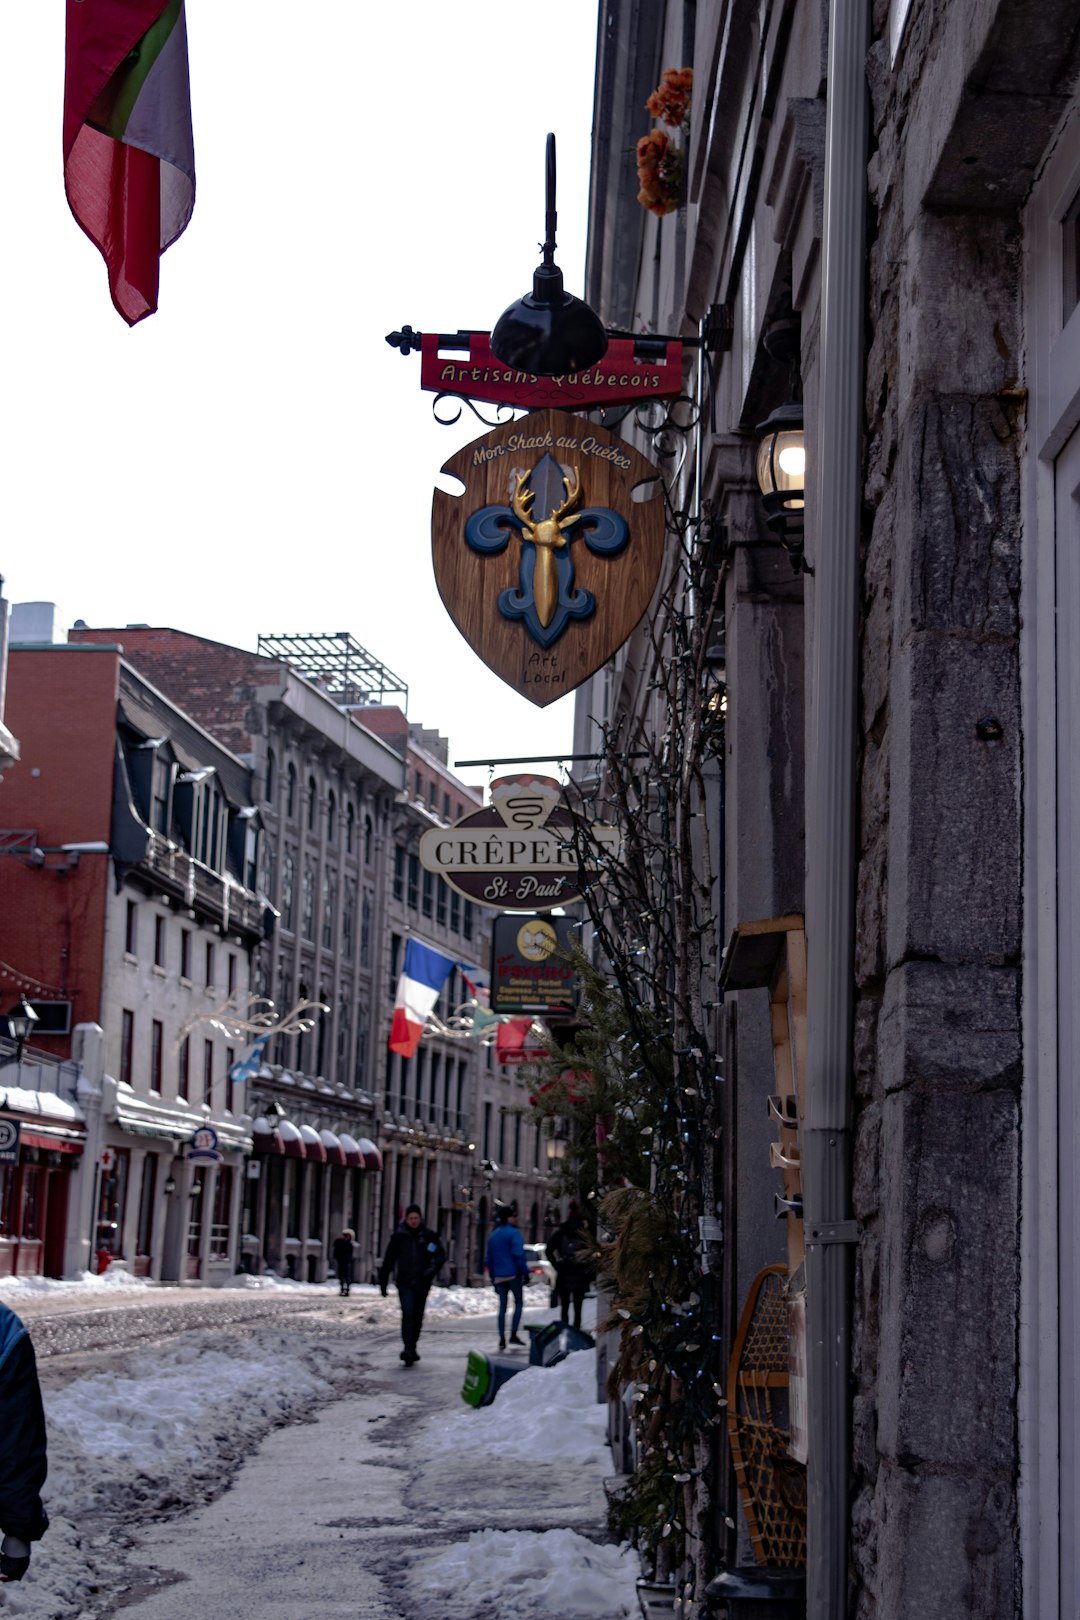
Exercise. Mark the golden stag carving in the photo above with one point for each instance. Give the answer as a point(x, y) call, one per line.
point(548, 537)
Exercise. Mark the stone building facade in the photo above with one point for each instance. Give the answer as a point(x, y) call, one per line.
point(880, 208)
point(324, 786)
point(134, 914)
point(453, 1117)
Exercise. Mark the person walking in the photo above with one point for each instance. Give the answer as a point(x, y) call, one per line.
point(344, 1250)
point(414, 1257)
point(504, 1260)
point(568, 1251)
point(23, 1464)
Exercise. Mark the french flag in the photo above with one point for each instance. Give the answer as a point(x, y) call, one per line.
point(423, 976)
point(478, 981)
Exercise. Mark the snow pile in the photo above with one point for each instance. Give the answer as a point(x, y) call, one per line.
point(156, 1439)
point(14, 1289)
point(544, 1414)
point(170, 1409)
point(521, 1575)
point(483, 1301)
point(269, 1281)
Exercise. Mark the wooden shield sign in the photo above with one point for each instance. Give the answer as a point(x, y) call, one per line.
point(546, 563)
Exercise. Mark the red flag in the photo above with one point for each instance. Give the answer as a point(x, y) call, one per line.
point(512, 1042)
point(129, 163)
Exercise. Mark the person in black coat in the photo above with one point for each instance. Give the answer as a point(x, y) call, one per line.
point(568, 1251)
point(414, 1257)
point(22, 1448)
point(343, 1251)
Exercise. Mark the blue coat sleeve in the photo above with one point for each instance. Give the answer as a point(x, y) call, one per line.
point(22, 1436)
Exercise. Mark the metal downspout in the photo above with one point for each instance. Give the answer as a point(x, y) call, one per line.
point(826, 1149)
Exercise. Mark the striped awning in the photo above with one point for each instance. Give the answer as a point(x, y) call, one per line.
point(40, 1136)
point(314, 1147)
point(335, 1151)
point(292, 1143)
point(281, 1137)
point(371, 1155)
point(353, 1156)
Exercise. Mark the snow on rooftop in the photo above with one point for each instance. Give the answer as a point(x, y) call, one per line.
point(21, 1101)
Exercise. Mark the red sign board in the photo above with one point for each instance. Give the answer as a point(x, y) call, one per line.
point(625, 376)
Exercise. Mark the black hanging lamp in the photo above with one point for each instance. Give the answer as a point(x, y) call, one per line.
point(549, 332)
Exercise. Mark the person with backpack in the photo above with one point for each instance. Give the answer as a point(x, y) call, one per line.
point(505, 1264)
point(568, 1251)
point(414, 1256)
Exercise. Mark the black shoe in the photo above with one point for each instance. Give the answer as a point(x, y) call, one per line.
point(409, 1356)
point(403, 1355)
point(502, 1344)
point(515, 1340)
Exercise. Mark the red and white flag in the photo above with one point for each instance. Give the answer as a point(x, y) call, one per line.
point(129, 160)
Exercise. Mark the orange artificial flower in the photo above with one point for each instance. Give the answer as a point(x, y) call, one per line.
point(659, 168)
point(670, 101)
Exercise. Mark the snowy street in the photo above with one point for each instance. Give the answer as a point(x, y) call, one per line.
point(263, 1449)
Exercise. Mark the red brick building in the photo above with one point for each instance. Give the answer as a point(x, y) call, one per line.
point(127, 919)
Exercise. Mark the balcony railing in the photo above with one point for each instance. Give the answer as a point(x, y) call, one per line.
point(198, 887)
point(38, 1071)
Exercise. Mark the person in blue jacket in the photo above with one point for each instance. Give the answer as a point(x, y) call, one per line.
point(22, 1448)
point(505, 1265)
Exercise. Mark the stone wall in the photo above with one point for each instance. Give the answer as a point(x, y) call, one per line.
point(938, 951)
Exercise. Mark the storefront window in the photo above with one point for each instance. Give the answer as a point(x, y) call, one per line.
point(31, 1202)
point(294, 1185)
point(146, 1204)
point(314, 1224)
point(252, 1188)
point(195, 1210)
point(112, 1201)
point(7, 1181)
point(219, 1228)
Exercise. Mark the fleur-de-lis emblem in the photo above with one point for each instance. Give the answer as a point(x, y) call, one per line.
point(545, 511)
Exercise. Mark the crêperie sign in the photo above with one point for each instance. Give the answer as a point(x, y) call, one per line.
point(518, 853)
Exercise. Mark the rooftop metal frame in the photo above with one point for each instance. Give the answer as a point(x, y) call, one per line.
point(336, 662)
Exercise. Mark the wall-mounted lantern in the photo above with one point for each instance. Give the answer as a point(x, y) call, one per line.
point(781, 471)
point(781, 453)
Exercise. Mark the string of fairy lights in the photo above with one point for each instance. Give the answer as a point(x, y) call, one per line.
point(646, 1131)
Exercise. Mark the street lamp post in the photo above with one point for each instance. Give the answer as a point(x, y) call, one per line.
point(20, 1021)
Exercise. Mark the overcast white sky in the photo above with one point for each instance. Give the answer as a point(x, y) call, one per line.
point(254, 457)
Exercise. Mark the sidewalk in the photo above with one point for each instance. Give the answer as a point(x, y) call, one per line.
point(341, 1517)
